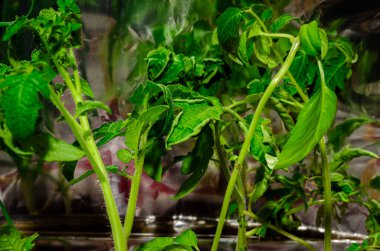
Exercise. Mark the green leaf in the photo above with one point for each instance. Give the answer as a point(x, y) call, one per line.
point(280, 22)
point(90, 105)
point(286, 118)
point(310, 39)
point(157, 244)
point(7, 137)
point(52, 149)
point(172, 71)
point(12, 240)
point(21, 103)
point(144, 93)
point(324, 42)
point(262, 51)
point(154, 150)
point(336, 70)
point(124, 155)
point(340, 132)
point(336, 177)
point(347, 154)
point(157, 62)
point(228, 24)
point(108, 131)
point(86, 88)
point(14, 27)
point(68, 170)
point(191, 120)
point(232, 209)
point(262, 183)
point(267, 14)
point(302, 69)
point(197, 162)
point(188, 238)
point(314, 120)
point(177, 247)
point(68, 4)
point(375, 183)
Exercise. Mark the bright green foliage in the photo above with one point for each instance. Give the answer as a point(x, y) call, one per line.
point(310, 39)
point(280, 22)
point(157, 61)
point(21, 102)
point(196, 162)
point(186, 241)
point(303, 70)
point(340, 132)
point(313, 122)
point(189, 122)
point(12, 240)
point(90, 105)
point(124, 155)
point(228, 24)
point(15, 27)
point(262, 183)
point(108, 131)
point(52, 149)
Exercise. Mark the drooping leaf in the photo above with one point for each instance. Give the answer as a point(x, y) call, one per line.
point(280, 22)
point(197, 162)
point(144, 93)
point(336, 70)
point(339, 133)
point(14, 27)
point(262, 182)
point(302, 69)
point(188, 238)
point(191, 120)
point(172, 71)
point(12, 240)
point(90, 105)
point(347, 154)
point(7, 137)
point(313, 122)
point(310, 39)
point(52, 149)
point(262, 52)
point(228, 24)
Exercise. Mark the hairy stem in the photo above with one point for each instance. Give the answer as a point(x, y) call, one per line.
point(244, 150)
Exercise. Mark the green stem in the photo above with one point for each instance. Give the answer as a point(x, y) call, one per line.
point(280, 231)
point(244, 150)
point(5, 213)
point(135, 187)
point(326, 179)
point(89, 146)
point(234, 114)
point(5, 24)
point(277, 35)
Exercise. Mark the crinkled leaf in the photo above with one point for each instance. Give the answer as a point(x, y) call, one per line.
point(188, 238)
point(14, 27)
point(12, 240)
point(52, 149)
point(68, 4)
point(157, 61)
point(191, 120)
point(340, 132)
point(172, 71)
point(280, 22)
point(286, 118)
point(314, 120)
point(336, 70)
point(21, 104)
point(302, 69)
point(197, 162)
point(336, 177)
point(347, 154)
point(108, 131)
point(228, 24)
point(144, 93)
point(90, 105)
point(310, 39)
